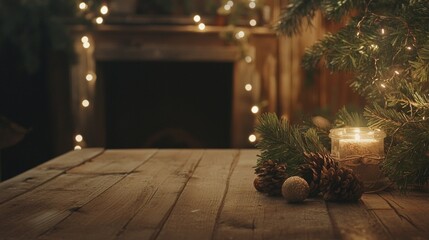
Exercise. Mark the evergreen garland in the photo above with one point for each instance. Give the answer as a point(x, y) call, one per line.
point(385, 43)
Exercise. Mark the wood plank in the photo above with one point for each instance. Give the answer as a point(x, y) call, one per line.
point(409, 213)
point(247, 214)
point(398, 226)
point(30, 215)
point(45, 172)
point(136, 207)
point(40, 210)
point(115, 162)
point(353, 221)
point(373, 201)
point(196, 210)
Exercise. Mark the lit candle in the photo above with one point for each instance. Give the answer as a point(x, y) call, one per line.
point(348, 142)
point(361, 149)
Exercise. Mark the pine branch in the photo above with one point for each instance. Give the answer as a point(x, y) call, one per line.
point(335, 9)
point(300, 12)
point(293, 16)
point(285, 143)
point(321, 127)
point(407, 163)
point(349, 119)
point(407, 159)
point(387, 119)
point(386, 47)
point(420, 67)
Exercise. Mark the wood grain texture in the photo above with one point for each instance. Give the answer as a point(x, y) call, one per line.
point(247, 214)
point(188, 194)
point(115, 162)
point(44, 172)
point(42, 209)
point(194, 215)
point(30, 215)
point(352, 221)
point(408, 217)
point(135, 207)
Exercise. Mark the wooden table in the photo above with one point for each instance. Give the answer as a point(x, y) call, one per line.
point(186, 194)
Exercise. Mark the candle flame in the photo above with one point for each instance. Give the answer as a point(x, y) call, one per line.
point(357, 136)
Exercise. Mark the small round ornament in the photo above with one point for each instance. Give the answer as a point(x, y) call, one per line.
point(295, 189)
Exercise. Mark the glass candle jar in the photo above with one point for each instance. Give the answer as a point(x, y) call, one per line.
point(362, 150)
point(356, 141)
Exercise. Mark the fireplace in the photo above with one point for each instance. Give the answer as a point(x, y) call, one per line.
point(170, 86)
point(167, 104)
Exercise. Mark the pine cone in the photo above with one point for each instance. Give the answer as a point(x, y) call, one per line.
point(312, 168)
point(340, 184)
point(271, 176)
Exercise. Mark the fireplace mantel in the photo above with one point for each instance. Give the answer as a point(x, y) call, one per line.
point(175, 43)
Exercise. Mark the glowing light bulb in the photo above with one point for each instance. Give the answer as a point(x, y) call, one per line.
point(255, 109)
point(201, 26)
point(252, 22)
point(78, 138)
point(374, 46)
point(85, 103)
point(227, 7)
point(248, 87)
point(239, 35)
point(252, 138)
point(83, 6)
point(77, 147)
point(383, 31)
point(252, 5)
point(382, 85)
point(248, 59)
point(397, 72)
point(230, 3)
point(197, 18)
point(104, 10)
point(84, 39)
point(99, 20)
point(86, 45)
point(409, 48)
point(89, 77)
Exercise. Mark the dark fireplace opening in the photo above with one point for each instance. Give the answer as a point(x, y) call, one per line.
point(163, 104)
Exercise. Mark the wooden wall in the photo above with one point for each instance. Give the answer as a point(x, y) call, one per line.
point(310, 92)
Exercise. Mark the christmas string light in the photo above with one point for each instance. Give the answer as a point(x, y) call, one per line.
point(85, 103)
point(248, 87)
point(86, 87)
point(104, 10)
point(197, 18)
point(90, 76)
point(240, 38)
point(252, 5)
point(252, 138)
point(201, 26)
point(78, 138)
point(83, 6)
point(99, 20)
point(239, 35)
point(254, 109)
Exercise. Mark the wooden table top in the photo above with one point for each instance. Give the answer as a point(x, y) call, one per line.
point(186, 194)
